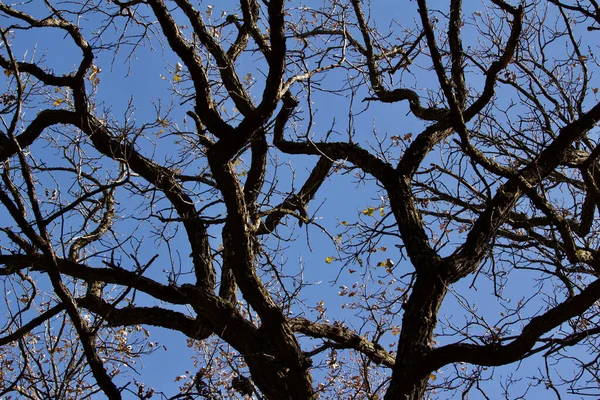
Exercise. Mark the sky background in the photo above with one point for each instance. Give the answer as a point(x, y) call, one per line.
point(145, 77)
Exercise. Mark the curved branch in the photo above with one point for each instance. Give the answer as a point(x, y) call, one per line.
point(345, 338)
point(494, 355)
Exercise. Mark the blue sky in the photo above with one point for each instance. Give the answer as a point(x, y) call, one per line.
point(145, 77)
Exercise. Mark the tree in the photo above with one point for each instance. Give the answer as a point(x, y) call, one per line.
point(473, 243)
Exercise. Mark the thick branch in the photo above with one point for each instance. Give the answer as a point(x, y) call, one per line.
point(345, 338)
point(493, 355)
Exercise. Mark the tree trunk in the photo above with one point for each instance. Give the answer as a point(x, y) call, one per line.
point(275, 380)
point(409, 378)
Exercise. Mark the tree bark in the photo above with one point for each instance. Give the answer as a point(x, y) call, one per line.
point(410, 377)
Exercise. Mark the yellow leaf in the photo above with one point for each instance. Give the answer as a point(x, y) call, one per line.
point(382, 211)
point(432, 377)
point(388, 263)
point(338, 239)
point(7, 72)
point(176, 78)
point(345, 223)
point(369, 211)
point(58, 102)
point(329, 259)
point(94, 73)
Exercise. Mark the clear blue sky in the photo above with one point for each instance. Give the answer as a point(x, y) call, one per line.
point(146, 77)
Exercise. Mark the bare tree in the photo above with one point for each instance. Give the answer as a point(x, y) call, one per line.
point(473, 243)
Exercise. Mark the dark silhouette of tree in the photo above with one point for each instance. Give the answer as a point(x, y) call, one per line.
point(478, 249)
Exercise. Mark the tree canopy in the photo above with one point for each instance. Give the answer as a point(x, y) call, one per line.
point(332, 199)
